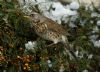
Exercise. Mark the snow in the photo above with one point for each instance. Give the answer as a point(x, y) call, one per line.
point(72, 25)
point(44, 6)
point(85, 70)
point(98, 22)
point(98, 15)
point(74, 5)
point(59, 9)
point(61, 12)
point(97, 43)
point(93, 37)
point(79, 54)
point(76, 53)
point(30, 45)
point(94, 14)
point(49, 63)
point(40, 1)
point(26, 9)
point(95, 29)
point(51, 9)
point(62, 69)
point(94, 40)
point(90, 56)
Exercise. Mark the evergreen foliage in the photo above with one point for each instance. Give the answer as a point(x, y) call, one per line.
point(15, 31)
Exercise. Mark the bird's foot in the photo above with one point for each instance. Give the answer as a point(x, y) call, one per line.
point(50, 45)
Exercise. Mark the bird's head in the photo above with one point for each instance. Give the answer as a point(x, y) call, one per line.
point(34, 17)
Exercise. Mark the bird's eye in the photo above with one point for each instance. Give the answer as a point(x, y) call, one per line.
point(32, 15)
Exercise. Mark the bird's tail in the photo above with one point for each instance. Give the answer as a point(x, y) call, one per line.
point(69, 51)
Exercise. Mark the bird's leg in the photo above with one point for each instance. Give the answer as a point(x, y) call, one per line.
point(55, 42)
point(52, 44)
point(70, 52)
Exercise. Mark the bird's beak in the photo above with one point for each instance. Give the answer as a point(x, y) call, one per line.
point(28, 17)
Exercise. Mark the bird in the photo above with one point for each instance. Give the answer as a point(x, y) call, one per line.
point(50, 30)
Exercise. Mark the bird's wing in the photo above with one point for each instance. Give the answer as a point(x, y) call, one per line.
point(55, 27)
point(52, 25)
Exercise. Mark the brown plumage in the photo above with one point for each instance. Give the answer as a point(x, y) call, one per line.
point(49, 30)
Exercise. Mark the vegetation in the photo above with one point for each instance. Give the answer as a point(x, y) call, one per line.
point(15, 32)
